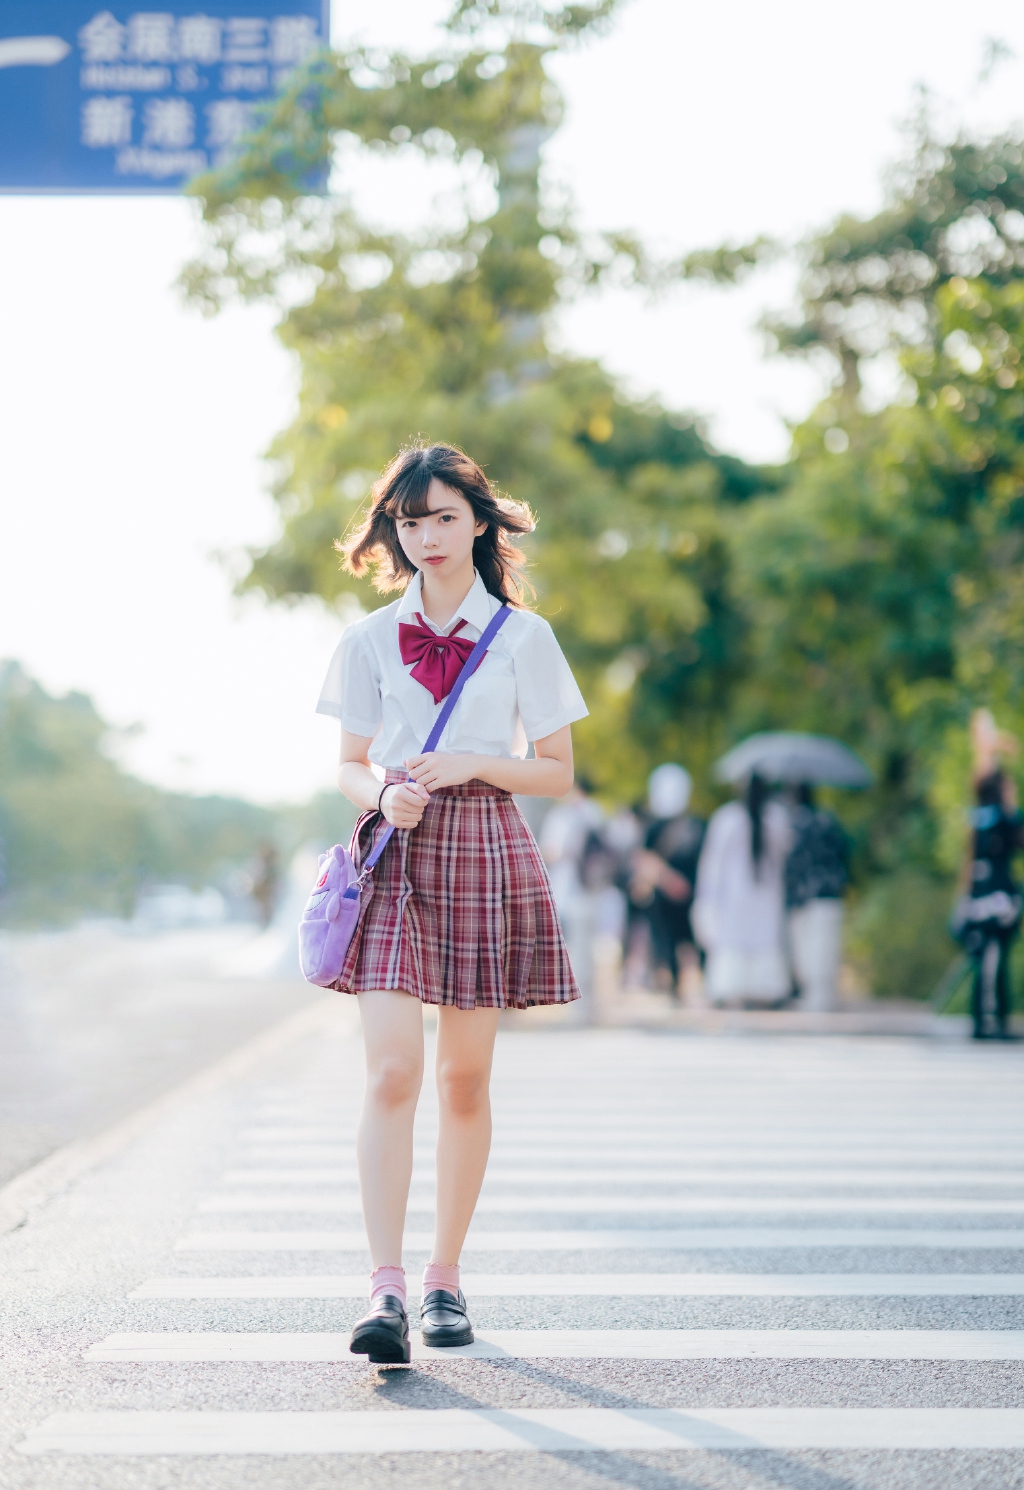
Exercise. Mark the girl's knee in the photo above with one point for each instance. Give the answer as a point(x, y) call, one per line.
point(394, 1082)
point(462, 1090)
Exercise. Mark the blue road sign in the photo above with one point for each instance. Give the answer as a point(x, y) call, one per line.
point(126, 100)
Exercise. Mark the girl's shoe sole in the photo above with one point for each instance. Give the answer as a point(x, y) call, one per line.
point(448, 1342)
point(382, 1348)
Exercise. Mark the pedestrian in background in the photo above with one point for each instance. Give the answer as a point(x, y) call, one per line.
point(817, 871)
point(627, 831)
point(572, 842)
point(459, 912)
point(665, 873)
point(266, 883)
point(739, 907)
point(988, 915)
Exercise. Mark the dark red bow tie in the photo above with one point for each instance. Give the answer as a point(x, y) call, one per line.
point(438, 660)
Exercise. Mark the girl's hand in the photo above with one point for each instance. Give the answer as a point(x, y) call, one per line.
point(402, 803)
point(436, 770)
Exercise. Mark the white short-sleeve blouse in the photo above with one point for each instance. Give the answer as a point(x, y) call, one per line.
point(522, 691)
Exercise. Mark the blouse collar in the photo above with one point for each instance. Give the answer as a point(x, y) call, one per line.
point(475, 608)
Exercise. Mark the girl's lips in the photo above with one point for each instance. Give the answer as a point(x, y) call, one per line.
point(439, 560)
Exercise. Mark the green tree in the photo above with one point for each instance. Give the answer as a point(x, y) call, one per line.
point(78, 834)
point(868, 589)
point(444, 335)
point(868, 286)
point(884, 587)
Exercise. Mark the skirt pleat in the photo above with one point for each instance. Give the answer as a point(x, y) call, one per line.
point(459, 910)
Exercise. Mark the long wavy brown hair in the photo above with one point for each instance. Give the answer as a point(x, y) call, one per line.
point(402, 492)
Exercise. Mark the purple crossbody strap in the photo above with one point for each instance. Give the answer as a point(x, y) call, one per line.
point(469, 667)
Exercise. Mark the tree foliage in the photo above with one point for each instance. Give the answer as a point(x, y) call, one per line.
point(78, 834)
point(882, 588)
point(887, 579)
point(870, 588)
point(444, 335)
point(869, 286)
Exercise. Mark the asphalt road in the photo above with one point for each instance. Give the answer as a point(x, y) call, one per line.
point(96, 1020)
point(178, 1316)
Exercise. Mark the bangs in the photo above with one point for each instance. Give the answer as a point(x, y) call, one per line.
point(408, 494)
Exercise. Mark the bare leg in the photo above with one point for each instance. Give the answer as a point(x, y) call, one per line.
point(393, 1037)
point(465, 1045)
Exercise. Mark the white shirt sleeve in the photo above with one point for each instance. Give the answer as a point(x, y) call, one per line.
point(351, 690)
point(546, 690)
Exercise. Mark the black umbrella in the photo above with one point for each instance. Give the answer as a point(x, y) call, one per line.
point(790, 758)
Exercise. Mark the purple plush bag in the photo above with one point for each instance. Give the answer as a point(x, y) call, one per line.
point(332, 910)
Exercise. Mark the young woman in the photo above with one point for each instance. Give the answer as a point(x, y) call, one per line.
point(459, 911)
point(739, 908)
point(987, 918)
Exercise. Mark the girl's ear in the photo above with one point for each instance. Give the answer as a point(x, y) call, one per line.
point(479, 529)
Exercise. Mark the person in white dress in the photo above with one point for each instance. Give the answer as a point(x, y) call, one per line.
point(571, 828)
point(739, 915)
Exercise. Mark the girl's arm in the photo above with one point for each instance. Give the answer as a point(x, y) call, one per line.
point(550, 774)
point(402, 804)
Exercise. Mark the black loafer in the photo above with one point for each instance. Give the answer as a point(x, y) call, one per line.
point(383, 1334)
point(443, 1319)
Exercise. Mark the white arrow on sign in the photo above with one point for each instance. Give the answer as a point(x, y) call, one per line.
point(32, 51)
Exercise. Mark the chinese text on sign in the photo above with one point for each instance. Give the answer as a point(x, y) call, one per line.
point(120, 99)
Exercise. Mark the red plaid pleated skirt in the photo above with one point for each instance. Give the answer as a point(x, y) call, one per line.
point(459, 909)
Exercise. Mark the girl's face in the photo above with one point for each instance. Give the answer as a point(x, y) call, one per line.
point(441, 541)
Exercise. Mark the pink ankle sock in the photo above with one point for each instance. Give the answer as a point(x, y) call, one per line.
point(440, 1275)
point(387, 1280)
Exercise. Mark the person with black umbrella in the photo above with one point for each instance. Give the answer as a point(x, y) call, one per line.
point(811, 855)
point(738, 911)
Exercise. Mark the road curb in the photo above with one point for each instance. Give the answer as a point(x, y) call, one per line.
point(23, 1195)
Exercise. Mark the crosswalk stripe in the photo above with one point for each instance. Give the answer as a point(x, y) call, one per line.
point(616, 1152)
point(742, 1090)
point(692, 1156)
point(647, 1204)
point(618, 1345)
point(719, 1116)
point(524, 1430)
point(610, 1285)
point(810, 1126)
point(639, 1174)
point(638, 1239)
point(714, 1127)
point(715, 1141)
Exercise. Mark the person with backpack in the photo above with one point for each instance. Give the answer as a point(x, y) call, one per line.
point(988, 915)
point(665, 873)
point(817, 872)
point(458, 910)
